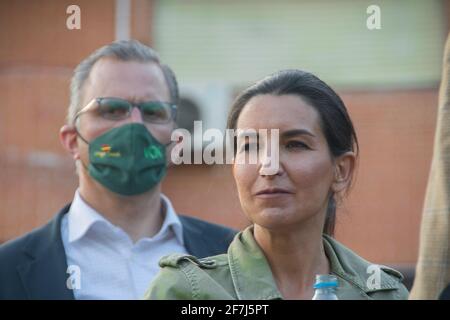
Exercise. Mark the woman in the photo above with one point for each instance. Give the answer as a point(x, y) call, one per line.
point(292, 209)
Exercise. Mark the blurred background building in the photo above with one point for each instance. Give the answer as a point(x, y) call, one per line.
point(388, 79)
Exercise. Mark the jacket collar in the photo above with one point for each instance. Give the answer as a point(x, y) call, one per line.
point(359, 272)
point(44, 272)
point(195, 240)
point(249, 265)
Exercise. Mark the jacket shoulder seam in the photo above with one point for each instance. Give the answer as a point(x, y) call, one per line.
point(186, 268)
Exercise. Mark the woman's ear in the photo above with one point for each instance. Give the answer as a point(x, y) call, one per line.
point(344, 166)
point(68, 137)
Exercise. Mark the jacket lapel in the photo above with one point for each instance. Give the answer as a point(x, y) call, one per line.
point(250, 270)
point(44, 272)
point(194, 241)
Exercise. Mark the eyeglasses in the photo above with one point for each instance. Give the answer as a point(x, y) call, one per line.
point(119, 109)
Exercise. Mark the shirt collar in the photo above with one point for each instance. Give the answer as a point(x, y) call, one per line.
point(82, 217)
point(171, 220)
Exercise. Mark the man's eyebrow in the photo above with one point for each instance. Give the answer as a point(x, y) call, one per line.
point(296, 132)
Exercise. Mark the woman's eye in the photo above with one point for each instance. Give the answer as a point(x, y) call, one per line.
point(296, 145)
point(250, 147)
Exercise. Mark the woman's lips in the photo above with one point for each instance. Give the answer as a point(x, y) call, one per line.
point(272, 193)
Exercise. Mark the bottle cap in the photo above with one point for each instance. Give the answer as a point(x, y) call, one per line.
point(325, 281)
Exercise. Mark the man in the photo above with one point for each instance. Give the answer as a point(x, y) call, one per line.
point(107, 243)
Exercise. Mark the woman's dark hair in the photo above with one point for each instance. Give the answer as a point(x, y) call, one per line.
point(334, 119)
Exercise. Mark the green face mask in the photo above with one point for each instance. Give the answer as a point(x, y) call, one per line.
point(127, 160)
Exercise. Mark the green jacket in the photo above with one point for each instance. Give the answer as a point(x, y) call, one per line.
point(244, 273)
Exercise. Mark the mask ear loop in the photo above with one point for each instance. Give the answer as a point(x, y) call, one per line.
point(171, 141)
point(175, 127)
point(81, 137)
point(79, 113)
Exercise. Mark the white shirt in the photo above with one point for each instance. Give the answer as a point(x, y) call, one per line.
point(102, 260)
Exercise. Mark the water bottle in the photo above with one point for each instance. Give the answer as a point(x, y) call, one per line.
point(325, 287)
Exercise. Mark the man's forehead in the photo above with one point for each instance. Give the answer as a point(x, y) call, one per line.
point(115, 67)
point(114, 77)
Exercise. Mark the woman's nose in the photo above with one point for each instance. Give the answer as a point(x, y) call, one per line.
point(270, 166)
